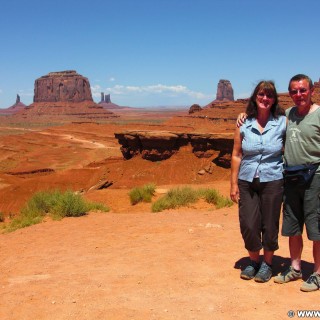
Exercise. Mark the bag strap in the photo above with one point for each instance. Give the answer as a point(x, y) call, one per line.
point(301, 167)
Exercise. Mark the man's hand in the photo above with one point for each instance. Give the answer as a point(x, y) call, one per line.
point(241, 119)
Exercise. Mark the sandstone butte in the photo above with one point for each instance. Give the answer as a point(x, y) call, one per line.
point(64, 93)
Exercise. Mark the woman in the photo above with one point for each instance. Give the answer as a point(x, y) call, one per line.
point(257, 179)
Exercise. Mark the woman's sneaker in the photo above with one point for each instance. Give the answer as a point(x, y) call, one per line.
point(250, 271)
point(264, 274)
point(312, 284)
point(289, 275)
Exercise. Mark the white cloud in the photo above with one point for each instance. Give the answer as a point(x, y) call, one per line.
point(159, 93)
point(156, 89)
point(96, 90)
point(112, 79)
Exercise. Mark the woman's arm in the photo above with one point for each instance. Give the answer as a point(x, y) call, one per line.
point(235, 166)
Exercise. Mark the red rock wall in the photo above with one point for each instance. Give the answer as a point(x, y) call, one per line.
point(161, 145)
point(65, 86)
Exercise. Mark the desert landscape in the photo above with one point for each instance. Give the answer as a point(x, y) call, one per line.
point(130, 263)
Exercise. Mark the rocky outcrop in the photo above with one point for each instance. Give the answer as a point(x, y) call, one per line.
point(316, 95)
point(64, 86)
point(161, 145)
point(194, 108)
point(105, 98)
point(18, 106)
point(106, 103)
point(224, 91)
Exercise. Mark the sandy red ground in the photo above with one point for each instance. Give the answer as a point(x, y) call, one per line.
point(128, 263)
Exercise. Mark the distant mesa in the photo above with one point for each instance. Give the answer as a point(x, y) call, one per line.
point(63, 86)
point(64, 93)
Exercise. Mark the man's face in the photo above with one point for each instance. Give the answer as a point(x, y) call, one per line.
point(301, 93)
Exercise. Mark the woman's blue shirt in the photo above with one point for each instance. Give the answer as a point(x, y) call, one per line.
point(262, 152)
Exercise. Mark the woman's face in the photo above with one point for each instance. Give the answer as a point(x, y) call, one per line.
point(264, 100)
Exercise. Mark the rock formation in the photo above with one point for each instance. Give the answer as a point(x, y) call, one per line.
point(18, 105)
point(316, 95)
point(64, 94)
point(194, 108)
point(106, 103)
point(64, 86)
point(161, 145)
point(105, 98)
point(14, 108)
point(224, 91)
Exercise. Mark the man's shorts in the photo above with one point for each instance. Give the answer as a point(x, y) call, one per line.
point(302, 207)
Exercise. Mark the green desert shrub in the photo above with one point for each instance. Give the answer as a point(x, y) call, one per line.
point(179, 197)
point(26, 218)
point(213, 196)
point(56, 204)
point(143, 193)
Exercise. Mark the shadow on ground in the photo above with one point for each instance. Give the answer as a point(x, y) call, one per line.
point(279, 265)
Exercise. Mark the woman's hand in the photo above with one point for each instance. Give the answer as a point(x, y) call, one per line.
point(241, 119)
point(235, 166)
point(234, 193)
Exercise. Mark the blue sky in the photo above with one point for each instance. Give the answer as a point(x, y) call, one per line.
point(158, 52)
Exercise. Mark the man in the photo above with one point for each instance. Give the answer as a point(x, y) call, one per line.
point(302, 202)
